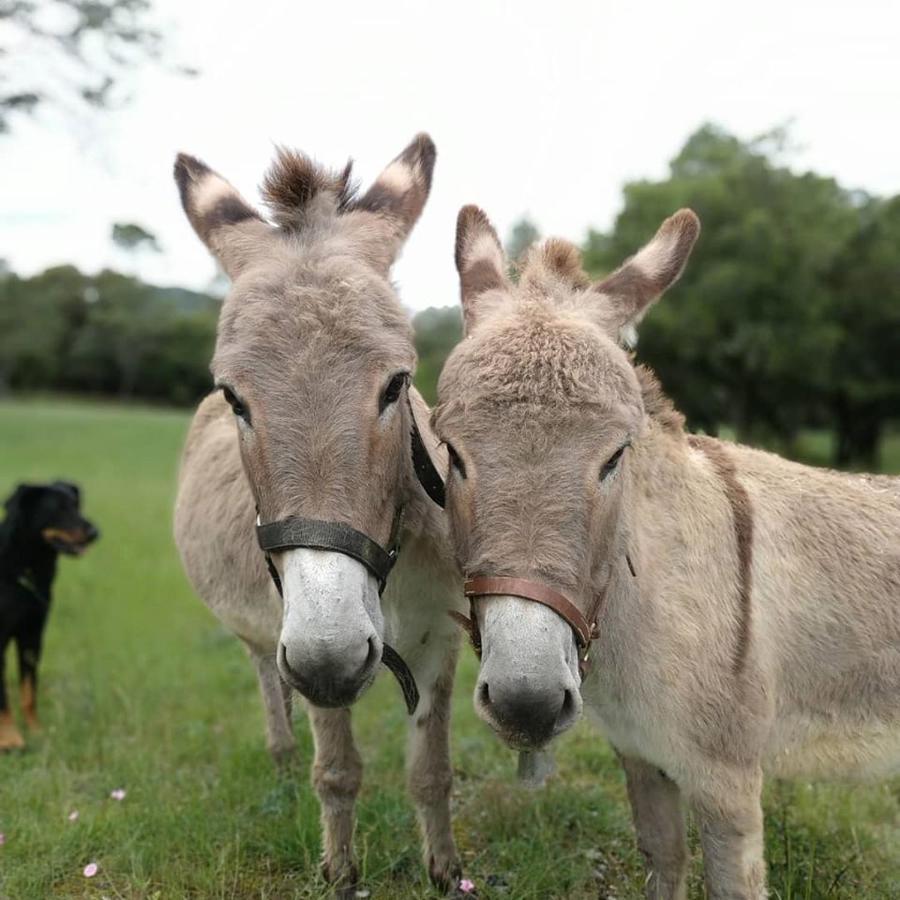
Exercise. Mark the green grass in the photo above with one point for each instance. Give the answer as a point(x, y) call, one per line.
point(142, 690)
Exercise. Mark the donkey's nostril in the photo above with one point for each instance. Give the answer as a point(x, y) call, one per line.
point(373, 657)
point(484, 695)
point(569, 711)
point(283, 659)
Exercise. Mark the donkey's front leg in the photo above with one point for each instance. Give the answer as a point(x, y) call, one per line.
point(336, 777)
point(429, 773)
point(277, 703)
point(731, 834)
point(659, 821)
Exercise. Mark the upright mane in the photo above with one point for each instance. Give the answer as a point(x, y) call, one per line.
point(295, 186)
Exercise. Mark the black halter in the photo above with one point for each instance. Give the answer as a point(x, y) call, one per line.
point(296, 532)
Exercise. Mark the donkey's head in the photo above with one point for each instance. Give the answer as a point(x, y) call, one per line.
point(538, 406)
point(314, 355)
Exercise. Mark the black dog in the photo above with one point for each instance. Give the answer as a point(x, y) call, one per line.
point(41, 522)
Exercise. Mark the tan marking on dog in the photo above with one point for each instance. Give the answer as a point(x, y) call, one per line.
point(10, 736)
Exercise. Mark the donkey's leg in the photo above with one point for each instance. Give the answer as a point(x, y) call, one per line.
point(659, 821)
point(731, 834)
point(336, 776)
point(429, 773)
point(276, 702)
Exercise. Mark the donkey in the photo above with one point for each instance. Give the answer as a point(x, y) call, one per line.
point(313, 418)
point(720, 611)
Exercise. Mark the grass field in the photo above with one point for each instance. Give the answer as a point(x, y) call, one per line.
point(141, 690)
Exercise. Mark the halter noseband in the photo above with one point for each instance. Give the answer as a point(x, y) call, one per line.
point(584, 628)
point(296, 532)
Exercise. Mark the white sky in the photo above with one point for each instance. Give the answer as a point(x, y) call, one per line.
point(536, 107)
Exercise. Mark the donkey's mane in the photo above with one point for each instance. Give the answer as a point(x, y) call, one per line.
point(553, 259)
point(295, 180)
point(657, 405)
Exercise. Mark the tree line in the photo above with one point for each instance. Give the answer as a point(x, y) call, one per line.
point(787, 317)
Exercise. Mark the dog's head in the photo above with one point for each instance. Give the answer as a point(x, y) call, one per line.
point(50, 513)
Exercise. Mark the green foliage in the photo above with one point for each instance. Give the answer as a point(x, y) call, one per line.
point(129, 236)
point(787, 293)
point(437, 331)
point(80, 50)
point(109, 334)
point(521, 236)
point(141, 689)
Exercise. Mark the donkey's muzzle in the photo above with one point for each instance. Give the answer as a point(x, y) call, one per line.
point(526, 716)
point(330, 683)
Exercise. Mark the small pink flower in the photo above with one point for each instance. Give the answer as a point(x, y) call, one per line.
point(90, 870)
point(73, 816)
point(2, 838)
point(118, 794)
point(467, 886)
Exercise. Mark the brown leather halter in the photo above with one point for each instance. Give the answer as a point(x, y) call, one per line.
point(584, 628)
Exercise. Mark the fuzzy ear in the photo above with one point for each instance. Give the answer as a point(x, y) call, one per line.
point(21, 497)
point(71, 490)
point(629, 291)
point(480, 261)
point(229, 226)
point(382, 218)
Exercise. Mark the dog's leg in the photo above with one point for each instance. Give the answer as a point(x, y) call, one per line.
point(10, 738)
point(29, 647)
point(276, 700)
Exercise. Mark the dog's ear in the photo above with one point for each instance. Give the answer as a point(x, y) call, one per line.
point(18, 502)
point(69, 489)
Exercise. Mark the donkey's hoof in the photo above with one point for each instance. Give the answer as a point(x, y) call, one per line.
point(445, 873)
point(286, 759)
point(343, 878)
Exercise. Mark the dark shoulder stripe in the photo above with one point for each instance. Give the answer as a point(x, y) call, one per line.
point(742, 516)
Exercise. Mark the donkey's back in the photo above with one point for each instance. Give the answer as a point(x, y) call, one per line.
point(826, 583)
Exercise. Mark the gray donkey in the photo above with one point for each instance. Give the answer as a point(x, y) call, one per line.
point(310, 434)
point(720, 612)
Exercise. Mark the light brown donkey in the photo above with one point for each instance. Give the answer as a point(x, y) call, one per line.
point(734, 613)
point(313, 358)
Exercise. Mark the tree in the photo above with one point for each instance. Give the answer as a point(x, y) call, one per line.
point(79, 53)
point(864, 382)
point(437, 332)
point(521, 236)
point(746, 336)
point(130, 237)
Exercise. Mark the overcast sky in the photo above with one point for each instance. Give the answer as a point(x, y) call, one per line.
point(537, 108)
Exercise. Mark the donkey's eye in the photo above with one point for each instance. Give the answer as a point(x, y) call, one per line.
point(391, 392)
point(237, 405)
point(455, 461)
point(610, 465)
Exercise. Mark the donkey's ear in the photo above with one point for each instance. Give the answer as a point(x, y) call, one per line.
point(480, 261)
point(629, 291)
point(397, 198)
point(229, 226)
